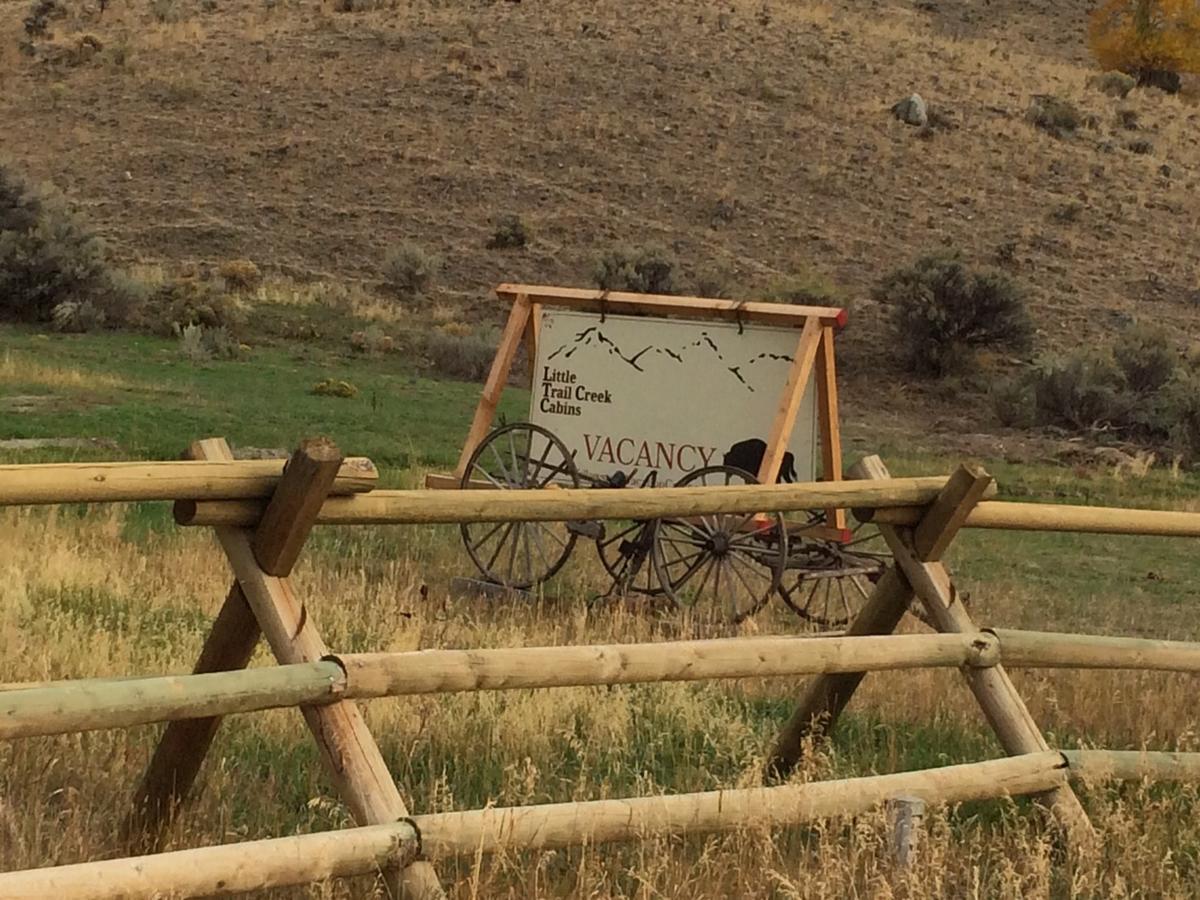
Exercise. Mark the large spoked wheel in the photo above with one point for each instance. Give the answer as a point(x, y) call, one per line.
point(721, 567)
point(627, 554)
point(519, 457)
point(828, 582)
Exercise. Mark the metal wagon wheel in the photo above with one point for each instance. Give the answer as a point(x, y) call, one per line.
point(626, 551)
point(520, 457)
point(725, 567)
point(833, 579)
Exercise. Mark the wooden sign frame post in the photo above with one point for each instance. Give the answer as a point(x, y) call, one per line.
point(814, 354)
point(263, 602)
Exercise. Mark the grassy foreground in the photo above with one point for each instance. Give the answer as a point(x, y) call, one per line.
point(91, 593)
point(119, 591)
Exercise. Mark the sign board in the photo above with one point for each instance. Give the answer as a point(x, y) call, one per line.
point(639, 394)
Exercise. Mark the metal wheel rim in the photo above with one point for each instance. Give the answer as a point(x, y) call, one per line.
point(833, 591)
point(519, 555)
point(725, 566)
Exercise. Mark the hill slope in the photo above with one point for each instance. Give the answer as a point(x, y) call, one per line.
point(753, 139)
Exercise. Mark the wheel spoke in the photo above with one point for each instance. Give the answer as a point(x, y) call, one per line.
point(845, 603)
point(500, 545)
point(479, 543)
point(500, 462)
point(545, 529)
point(512, 552)
point(488, 475)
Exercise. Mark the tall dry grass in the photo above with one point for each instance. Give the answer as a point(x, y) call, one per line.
point(119, 592)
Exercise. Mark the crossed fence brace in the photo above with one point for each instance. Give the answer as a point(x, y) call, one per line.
point(263, 602)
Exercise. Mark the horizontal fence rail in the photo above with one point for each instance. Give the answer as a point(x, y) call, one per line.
point(91, 704)
point(114, 482)
point(1004, 515)
point(562, 504)
point(301, 859)
point(223, 870)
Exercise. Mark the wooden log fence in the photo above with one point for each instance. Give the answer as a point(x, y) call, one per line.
point(113, 482)
point(262, 512)
point(91, 704)
point(1003, 515)
point(565, 504)
point(280, 862)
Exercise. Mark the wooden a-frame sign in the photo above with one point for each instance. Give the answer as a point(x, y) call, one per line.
point(814, 355)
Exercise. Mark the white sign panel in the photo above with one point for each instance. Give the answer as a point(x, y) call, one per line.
point(637, 394)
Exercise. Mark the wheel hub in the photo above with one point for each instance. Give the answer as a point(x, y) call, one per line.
point(719, 543)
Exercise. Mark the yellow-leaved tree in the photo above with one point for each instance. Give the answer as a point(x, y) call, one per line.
point(1153, 40)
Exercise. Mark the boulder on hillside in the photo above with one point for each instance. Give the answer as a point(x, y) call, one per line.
point(912, 111)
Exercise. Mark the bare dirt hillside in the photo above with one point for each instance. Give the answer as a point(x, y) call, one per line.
point(753, 140)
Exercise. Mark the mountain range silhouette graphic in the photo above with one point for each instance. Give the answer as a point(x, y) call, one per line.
point(592, 340)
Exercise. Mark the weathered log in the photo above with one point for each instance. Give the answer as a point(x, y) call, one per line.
point(1003, 515)
point(111, 482)
point(1133, 765)
point(96, 703)
point(436, 671)
point(298, 860)
point(429, 507)
point(222, 870)
point(90, 704)
point(1050, 650)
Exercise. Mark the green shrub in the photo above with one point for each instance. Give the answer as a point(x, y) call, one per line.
point(468, 357)
point(41, 12)
point(1140, 390)
point(805, 289)
point(49, 257)
point(409, 271)
point(1080, 391)
point(1055, 115)
point(200, 344)
point(1146, 357)
point(332, 387)
point(77, 316)
point(943, 313)
point(649, 270)
point(510, 234)
point(1179, 412)
point(714, 283)
point(174, 305)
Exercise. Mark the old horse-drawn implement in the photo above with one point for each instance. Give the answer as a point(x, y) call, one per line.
point(646, 390)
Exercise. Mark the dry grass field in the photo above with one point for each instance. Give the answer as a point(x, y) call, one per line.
point(121, 592)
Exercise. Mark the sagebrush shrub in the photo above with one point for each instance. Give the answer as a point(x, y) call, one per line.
point(462, 356)
point(1081, 391)
point(942, 313)
point(1155, 41)
point(510, 234)
point(48, 257)
point(649, 270)
point(1146, 358)
point(240, 274)
point(1054, 115)
point(175, 305)
point(804, 288)
point(1140, 389)
point(409, 270)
